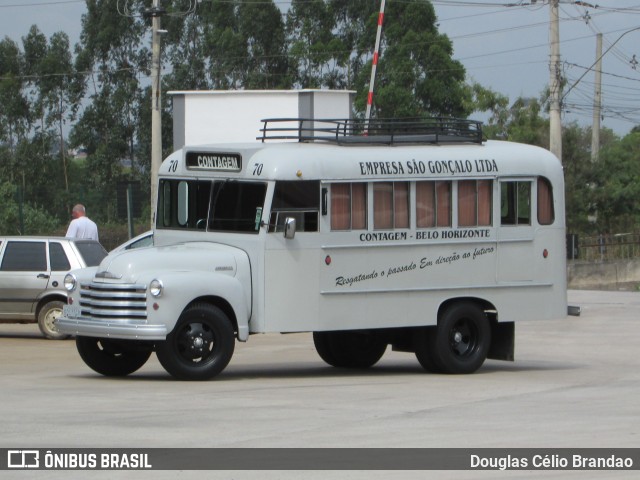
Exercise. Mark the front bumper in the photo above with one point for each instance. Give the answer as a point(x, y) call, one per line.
point(126, 330)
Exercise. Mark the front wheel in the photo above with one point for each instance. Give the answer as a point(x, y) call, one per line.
point(200, 346)
point(462, 339)
point(113, 358)
point(47, 316)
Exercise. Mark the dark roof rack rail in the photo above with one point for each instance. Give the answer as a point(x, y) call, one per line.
point(378, 131)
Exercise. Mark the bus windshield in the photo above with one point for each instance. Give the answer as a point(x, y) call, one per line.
point(218, 206)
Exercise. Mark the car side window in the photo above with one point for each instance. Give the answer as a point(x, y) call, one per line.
point(24, 257)
point(58, 259)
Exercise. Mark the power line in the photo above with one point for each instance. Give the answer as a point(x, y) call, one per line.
point(41, 4)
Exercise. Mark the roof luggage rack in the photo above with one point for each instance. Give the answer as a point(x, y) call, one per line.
point(384, 131)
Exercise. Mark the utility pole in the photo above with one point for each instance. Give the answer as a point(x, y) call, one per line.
point(555, 122)
point(597, 102)
point(155, 13)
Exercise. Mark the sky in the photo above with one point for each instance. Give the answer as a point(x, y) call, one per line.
point(503, 45)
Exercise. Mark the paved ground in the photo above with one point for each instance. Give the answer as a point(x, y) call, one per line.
point(575, 383)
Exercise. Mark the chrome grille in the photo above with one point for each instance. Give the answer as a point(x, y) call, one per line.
point(114, 301)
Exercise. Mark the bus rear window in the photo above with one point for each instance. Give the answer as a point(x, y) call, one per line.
point(546, 214)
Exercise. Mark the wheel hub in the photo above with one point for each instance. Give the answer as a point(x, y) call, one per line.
point(196, 342)
point(462, 339)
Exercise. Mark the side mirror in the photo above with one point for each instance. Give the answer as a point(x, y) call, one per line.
point(289, 228)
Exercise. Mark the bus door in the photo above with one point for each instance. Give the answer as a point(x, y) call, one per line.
point(291, 266)
point(516, 231)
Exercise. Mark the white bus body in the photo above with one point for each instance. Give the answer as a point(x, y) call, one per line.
point(432, 245)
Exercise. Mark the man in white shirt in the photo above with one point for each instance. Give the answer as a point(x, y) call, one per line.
point(81, 226)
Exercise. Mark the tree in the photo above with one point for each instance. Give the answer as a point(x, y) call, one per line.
point(526, 125)
point(354, 24)
point(185, 45)
point(14, 114)
point(112, 53)
point(59, 91)
point(417, 75)
point(482, 99)
point(18, 217)
point(262, 30)
point(317, 56)
point(616, 185)
point(225, 45)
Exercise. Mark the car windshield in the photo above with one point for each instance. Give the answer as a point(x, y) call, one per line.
point(220, 206)
point(92, 253)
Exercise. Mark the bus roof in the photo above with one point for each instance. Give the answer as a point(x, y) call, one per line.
point(342, 150)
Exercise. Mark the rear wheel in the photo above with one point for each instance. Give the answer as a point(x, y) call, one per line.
point(200, 346)
point(47, 316)
point(113, 358)
point(350, 349)
point(462, 339)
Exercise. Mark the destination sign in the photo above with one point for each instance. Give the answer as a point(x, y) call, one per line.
point(219, 162)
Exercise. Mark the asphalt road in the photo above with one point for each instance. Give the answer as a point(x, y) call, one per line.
point(575, 383)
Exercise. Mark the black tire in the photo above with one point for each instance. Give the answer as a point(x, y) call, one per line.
point(350, 349)
point(47, 315)
point(200, 346)
point(113, 358)
point(424, 346)
point(462, 339)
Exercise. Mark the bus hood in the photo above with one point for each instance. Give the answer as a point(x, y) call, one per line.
point(137, 265)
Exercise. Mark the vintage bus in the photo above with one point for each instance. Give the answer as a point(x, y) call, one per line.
point(414, 235)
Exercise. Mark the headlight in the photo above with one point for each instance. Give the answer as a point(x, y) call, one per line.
point(70, 282)
point(156, 287)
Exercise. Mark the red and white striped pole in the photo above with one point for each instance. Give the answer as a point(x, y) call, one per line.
point(376, 55)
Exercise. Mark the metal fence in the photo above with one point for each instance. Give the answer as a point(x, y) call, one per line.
point(605, 247)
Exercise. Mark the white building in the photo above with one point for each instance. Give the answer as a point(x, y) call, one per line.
point(229, 116)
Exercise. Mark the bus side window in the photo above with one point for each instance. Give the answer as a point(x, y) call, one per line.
point(546, 214)
point(474, 203)
point(390, 205)
point(295, 199)
point(348, 206)
point(515, 203)
point(433, 204)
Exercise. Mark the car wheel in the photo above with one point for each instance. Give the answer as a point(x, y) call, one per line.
point(113, 358)
point(47, 316)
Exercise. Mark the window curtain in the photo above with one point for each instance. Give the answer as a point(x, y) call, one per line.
point(401, 204)
point(545, 202)
point(485, 206)
point(383, 205)
point(358, 206)
point(467, 203)
point(443, 202)
point(340, 206)
point(425, 204)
